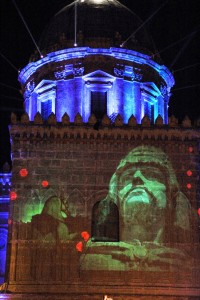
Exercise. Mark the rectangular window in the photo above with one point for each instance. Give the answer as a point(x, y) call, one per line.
point(99, 104)
point(149, 110)
point(46, 109)
point(152, 113)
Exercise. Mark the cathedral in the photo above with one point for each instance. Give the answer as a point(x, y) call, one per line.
point(103, 198)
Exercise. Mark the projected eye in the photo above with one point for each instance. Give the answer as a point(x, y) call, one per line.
point(126, 179)
point(150, 173)
point(153, 174)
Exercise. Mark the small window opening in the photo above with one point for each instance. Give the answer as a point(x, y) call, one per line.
point(105, 222)
point(46, 109)
point(99, 104)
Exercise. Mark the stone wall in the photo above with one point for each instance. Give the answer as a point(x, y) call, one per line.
point(78, 162)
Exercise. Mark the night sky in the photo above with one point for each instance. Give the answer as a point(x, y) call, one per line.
point(175, 30)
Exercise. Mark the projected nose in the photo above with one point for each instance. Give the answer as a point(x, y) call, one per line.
point(138, 178)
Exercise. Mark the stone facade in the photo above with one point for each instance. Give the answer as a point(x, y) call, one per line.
point(105, 186)
point(79, 161)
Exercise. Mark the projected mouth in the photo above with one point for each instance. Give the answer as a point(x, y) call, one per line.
point(138, 194)
point(138, 190)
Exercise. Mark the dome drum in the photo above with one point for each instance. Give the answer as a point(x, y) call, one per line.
point(60, 78)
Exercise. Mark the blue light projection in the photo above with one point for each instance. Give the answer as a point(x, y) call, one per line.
point(5, 184)
point(4, 296)
point(130, 86)
point(81, 52)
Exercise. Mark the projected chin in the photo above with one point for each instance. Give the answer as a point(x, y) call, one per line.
point(142, 195)
point(141, 184)
point(137, 195)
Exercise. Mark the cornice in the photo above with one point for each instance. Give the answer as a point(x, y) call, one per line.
point(60, 133)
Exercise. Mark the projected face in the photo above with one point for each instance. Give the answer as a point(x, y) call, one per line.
point(152, 213)
point(141, 188)
point(142, 184)
point(142, 195)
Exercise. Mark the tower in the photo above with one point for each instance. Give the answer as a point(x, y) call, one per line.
point(106, 187)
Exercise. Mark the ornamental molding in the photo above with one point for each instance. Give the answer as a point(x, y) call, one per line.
point(70, 69)
point(29, 89)
point(97, 54)
point(65, 132)
point(128, 72)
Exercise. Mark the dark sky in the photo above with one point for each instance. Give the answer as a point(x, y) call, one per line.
point(177, 25)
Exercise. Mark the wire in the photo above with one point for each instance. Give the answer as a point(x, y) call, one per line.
point(19, 12)
point(175, 43)
point(182, 49)
point(186, 87)
point(10, 97)
point(187, 67)
point(149, 18)
point(75, 23)
point(11, 109)
point(8, 61)
point(9, 86)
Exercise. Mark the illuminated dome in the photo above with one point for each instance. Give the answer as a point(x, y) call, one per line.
point(107, 68)
point(98, 21)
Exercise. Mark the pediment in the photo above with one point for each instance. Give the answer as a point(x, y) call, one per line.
point(44, 84)
point(152, 88)
point(99, 75)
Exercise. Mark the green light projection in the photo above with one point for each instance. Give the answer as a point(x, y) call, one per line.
point(135, 227)
point(151, 209)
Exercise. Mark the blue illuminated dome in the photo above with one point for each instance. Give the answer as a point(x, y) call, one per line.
point(103, 69)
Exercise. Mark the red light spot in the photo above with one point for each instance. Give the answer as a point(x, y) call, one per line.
point(190, 149)
point(45, 183)
point(198, 211)
point(79, 246)
point(189, 186)
point(85, 235)
point(9, 221)
point(23, 172)
point(189, 173)
point(13, 195)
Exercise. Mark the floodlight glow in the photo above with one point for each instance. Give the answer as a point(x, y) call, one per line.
point(98, 1)
point(81, 52)
point(189, 173)
point(13, 195)
point(198, 212)
point(85, 235)
point(79, 246)
point(23, 172)
point(45, 183)
point(190, 149)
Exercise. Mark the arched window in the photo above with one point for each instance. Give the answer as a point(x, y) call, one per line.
point(105, 222)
